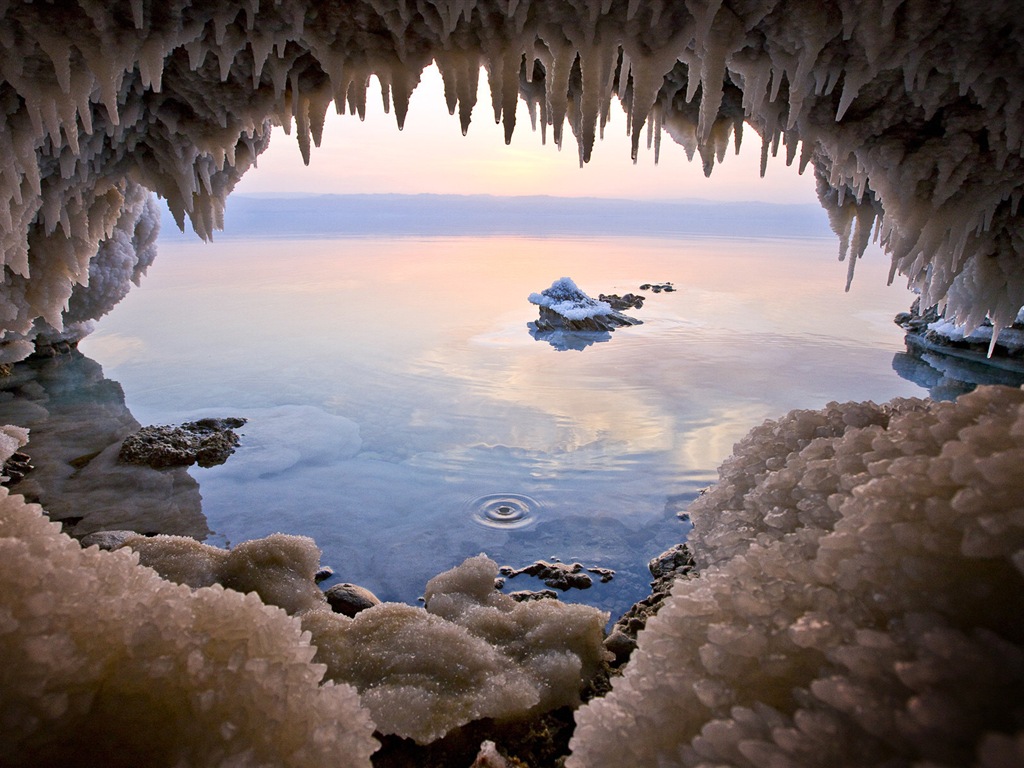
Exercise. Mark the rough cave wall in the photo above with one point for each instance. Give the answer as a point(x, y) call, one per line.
point(914, 108)
point(911, 115)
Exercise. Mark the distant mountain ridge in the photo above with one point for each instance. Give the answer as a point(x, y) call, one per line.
point(398, 215)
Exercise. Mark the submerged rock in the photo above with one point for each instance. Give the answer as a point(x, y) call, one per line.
point(626, 301)
point(207, 442)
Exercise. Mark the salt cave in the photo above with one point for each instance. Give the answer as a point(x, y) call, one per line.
point(859, 600)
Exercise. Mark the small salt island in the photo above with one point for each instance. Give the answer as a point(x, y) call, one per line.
point(564, 307)
point(570, 319)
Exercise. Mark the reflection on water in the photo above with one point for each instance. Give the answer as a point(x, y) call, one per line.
point(77, 419)
point(947, 376)
point(563, 340)
point(393, 392)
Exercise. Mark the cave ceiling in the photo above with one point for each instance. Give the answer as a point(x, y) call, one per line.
point(909, 112)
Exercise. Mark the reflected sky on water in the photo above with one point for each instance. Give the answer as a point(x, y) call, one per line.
point(393, 387)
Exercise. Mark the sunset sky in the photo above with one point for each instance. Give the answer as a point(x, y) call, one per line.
point(431, 156)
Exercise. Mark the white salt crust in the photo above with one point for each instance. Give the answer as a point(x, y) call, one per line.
point(859, 601)
point(472, 653)
point(107, 664)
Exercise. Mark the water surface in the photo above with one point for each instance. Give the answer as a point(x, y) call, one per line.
point(402, 415)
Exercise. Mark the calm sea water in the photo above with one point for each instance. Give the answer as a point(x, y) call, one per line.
point(402, 415)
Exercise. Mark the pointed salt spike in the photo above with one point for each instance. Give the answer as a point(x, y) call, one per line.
point(385, 92)
point(791, 147)
point(60, 56)
point(260, 47)
point(469, 83)
point(623, 80)
point(317, 117)
point(589, 104)
point(631, 9)
point(851, 87)
point(737, 135)
point(493, 70)
point(805, 156)
point(403, 83)
point(361, 91)
point(995, 338)
point(512, 64)
point(656, 122)
point(563, 59)
point(151, 64)
point(764, 155)
point(449, 78)
point(138, 13)
point(302, 129)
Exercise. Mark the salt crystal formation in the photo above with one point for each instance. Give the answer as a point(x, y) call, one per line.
point(564, 306)
point(473, 653)
point(912, 114)
point(107, 664)
point(858, 602)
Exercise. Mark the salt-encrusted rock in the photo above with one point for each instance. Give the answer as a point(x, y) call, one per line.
point(207, 442)
point(626, 301)
point(350, 599)
point(525, 595)
point(470, 653)
point(670, 565)
point(562, 576)
point(107, 540)
point(931, 332)
point(564, 307)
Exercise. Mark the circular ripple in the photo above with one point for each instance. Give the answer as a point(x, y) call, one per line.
point(504, 510)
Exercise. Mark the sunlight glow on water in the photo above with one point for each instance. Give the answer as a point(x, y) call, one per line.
point(396, 399)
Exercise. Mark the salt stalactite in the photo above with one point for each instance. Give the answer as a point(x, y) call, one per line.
point(182, 98)
point(120, 261)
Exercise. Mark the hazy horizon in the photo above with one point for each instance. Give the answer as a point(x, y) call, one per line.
point(311, 214)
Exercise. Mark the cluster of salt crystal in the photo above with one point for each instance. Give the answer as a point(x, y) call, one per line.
point(902, 107)
point(105, 663)
point(566, 299)
point(858, 602)
point(473, 653)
